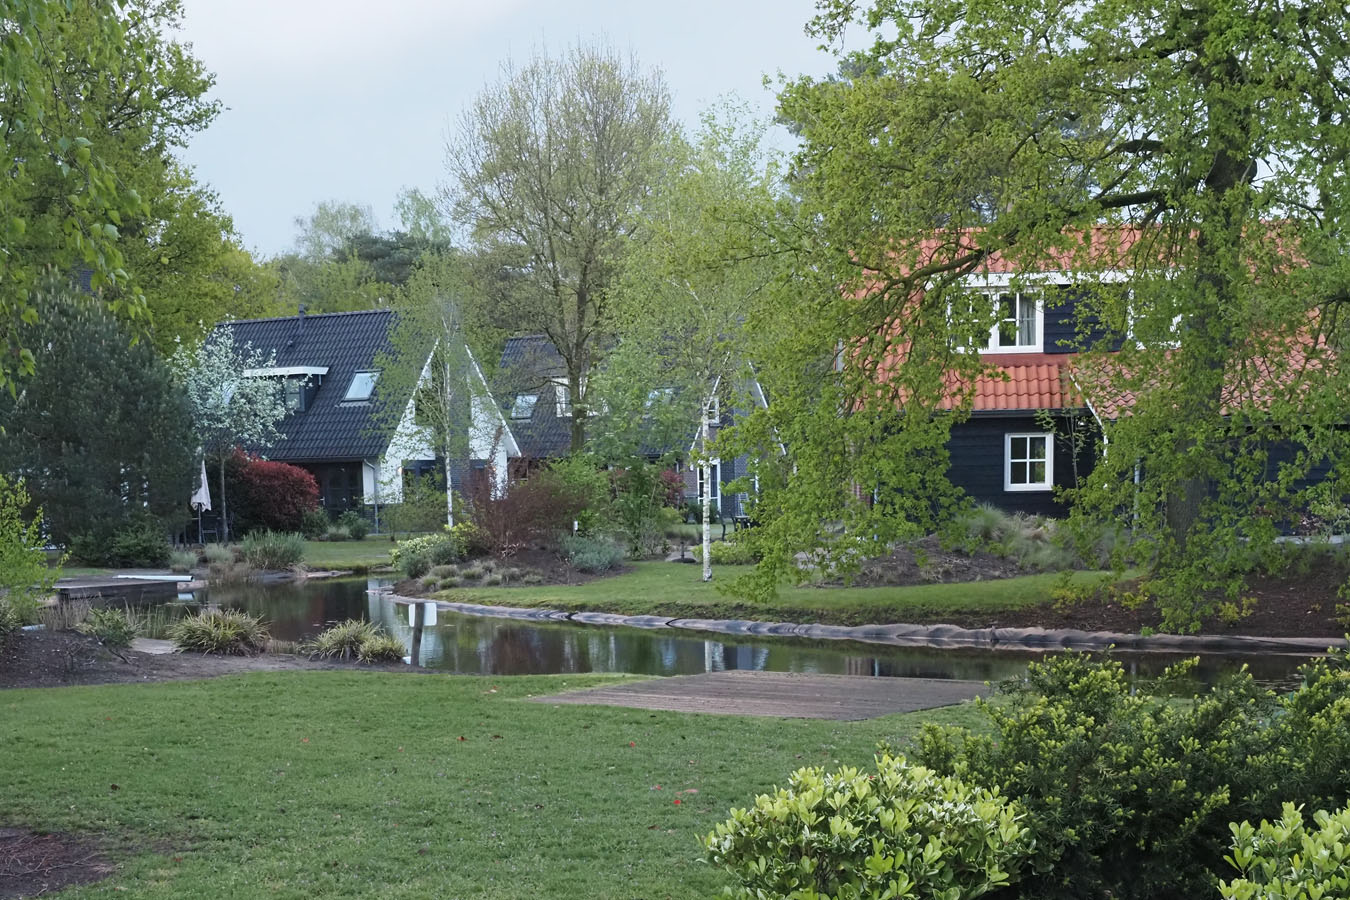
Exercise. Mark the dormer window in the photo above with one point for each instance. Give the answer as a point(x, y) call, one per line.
point(362, 386)
point(295, 395)
point(1018, 326)
point(523, 406)
point(563, 398)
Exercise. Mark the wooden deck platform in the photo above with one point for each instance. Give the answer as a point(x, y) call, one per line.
point(786, 695)
point(105, 591)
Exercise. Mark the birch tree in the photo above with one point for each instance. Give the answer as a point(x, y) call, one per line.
point(229, 409)
point(549, 169)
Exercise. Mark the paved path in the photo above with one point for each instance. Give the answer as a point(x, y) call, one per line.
point(151, 645)
point(780, 694)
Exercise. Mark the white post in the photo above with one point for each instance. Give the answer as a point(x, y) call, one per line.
point(707, 494)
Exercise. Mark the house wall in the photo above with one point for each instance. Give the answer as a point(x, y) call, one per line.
point(977, 449)
point(1061, 324)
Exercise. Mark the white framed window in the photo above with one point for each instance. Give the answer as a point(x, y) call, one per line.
point(1018, 324)
point(562, 397)
point(523, 406)
point(362, 386)
point(716, 467)
point(1028, 462)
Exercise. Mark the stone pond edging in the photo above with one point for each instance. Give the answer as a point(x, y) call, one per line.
point(900, 635)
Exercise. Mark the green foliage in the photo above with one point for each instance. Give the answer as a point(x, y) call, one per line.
point(382, 648)
point(223, 631)
point(640, 509)
point(422, 508)
point(416, 556)
point(24, 574)
point(582, 474)
point(1283, 860)
point(273, 550)
point(535, 511)
point(1130, 795)
point(218, 553)
point(355, 639)
point(471, 539)
point(591, 554)
point(315, 523)
point(182, 561)
point(355, 523)
point(904, 831)
point(100, 433)
point(731, 552)
point(139, 542)
point(112, 627)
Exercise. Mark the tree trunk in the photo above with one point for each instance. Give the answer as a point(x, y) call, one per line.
point(707, 494)
point(224, 519)
point(449, 492)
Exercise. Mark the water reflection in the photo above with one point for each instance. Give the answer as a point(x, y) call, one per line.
point(486, 646)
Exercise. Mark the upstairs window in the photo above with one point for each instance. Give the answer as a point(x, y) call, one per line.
point(523, 406)
point(1029, 464)
point(295, 395)
point(563, 398)
point(362, 386)
point(1018, 323)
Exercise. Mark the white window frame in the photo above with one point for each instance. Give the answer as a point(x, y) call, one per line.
point(716, 466)
point(356, 376)
point(562, 398)
point(1049, 483)
point(1020, 295)
point(519, 412)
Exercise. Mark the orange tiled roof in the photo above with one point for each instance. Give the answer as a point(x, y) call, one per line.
point(1022, 382)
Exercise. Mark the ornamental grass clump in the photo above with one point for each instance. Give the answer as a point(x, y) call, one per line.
point(904, 831)
point(356, 640)
point(273, 550)
point(224, 631)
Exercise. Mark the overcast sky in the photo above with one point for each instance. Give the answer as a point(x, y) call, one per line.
point(352, 101)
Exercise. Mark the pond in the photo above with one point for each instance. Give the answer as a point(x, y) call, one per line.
point(490, 646)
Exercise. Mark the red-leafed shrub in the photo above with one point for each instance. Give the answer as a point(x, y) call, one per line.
point(672, 483)
point(269, 495)
point(534, 512)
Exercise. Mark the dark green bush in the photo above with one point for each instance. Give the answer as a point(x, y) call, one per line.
point(314, 523)
point(591, 554)
point(730, 553)
point(901, 832)
point(355, 523)
point(224, 631)
point(415, 557)
point(139, 543)
point(113, 627)
point(273, 550)
point(1130, 795)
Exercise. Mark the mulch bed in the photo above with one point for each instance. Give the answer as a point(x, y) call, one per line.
point(925, 561)
point(34, 864)
point(55, 658)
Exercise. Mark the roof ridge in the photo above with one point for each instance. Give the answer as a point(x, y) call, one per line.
point(351, 312)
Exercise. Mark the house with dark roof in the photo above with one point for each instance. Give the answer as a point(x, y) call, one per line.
point(355, 431)
point(534, 398)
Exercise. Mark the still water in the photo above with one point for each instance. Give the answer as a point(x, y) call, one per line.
point(488, 646)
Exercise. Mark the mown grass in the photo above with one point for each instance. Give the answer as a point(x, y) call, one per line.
point(660, 588)
point(355, 556)
point(340, 784)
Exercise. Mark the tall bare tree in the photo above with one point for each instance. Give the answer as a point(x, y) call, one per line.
point(549, 169)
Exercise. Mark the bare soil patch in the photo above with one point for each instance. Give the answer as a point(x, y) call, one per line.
point(34, 864)
point(56, 658)
point(925, 561)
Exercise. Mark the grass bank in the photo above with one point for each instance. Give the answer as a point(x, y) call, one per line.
point(338, 784)
point(671, 589)
point(354, 556)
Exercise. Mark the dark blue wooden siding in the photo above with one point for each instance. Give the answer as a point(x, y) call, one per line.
point(976, 449)
point(1063, 326)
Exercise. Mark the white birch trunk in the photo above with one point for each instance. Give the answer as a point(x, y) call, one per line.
point(707, 496)
point(449, 493)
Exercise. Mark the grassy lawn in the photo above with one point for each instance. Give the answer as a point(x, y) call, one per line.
point(348, 784)
point(660, 588)
point(359, 556)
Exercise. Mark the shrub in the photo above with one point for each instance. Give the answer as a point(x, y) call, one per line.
point(182, 561)
point(532, 578)
point(140, 542)
point(444, 571)
point(228, 632)
point(355, 523)
point(730, 553)
point(492, 580)
point(531, 512)
point(112, 627)
point(1282, 860)
point(639, 509)
point(9, 619)
point(336, 533)
point(315, 523)
point(422, 507)
point(902, 832)
point(416, 557)
point(218, 553)
point(586, 479)
point(470, 540)
point(1130, 795)
point(591, 554)
point(24, 575)
point(272, 496)
point(272, 550)
point(382, 648)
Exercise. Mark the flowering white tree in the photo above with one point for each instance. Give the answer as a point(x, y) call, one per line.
point(229, 407)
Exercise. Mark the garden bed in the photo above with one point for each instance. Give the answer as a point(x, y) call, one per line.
point(34, 864)
point(57, 658)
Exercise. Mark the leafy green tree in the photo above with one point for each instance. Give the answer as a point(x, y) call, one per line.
point(549, 170)
point(685, 293)
point(100, 432)
point(93, 99)
point(25, 577)
point(229, 408)
point(1200, 150)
